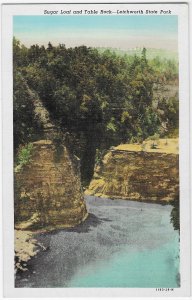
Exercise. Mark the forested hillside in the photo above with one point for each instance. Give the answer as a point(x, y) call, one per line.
point(97, 99)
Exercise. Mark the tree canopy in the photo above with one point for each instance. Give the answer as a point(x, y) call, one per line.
point(100, 99)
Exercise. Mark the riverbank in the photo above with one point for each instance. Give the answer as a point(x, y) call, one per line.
point(26, 247)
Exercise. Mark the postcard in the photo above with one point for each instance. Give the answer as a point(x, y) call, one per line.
point(96, 149)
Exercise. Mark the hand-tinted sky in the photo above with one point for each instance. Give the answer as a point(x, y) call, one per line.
point(98, 31)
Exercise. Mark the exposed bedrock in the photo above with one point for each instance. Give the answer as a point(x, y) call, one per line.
point(136, 172)
point(48, 191)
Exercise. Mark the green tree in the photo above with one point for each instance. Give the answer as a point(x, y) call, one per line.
point(100, 99)
point(25, 124)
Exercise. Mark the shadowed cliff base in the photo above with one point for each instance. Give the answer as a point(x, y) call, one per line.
point(90, 222)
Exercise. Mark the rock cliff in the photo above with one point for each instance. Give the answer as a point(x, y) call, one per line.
point(147, 172)
point(48, 190)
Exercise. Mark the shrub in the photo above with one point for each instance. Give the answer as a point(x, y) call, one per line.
point(24, 155)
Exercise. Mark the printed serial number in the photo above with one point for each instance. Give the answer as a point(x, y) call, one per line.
point(164, 289)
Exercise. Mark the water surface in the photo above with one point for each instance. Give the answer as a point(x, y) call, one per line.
point(121, 244)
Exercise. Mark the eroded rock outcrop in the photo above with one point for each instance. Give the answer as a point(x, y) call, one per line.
point(48, 190)
point(147, 172)
point(26, 247)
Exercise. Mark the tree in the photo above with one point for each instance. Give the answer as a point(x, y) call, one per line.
point(99, 99)
point(25, 125)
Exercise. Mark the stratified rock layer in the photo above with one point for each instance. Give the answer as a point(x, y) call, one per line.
point(48, 189)
point(127, 172)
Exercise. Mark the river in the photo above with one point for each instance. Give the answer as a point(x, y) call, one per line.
point(121, 244)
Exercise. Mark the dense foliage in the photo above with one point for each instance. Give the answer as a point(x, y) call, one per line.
point(175, 214)
point(100, 99)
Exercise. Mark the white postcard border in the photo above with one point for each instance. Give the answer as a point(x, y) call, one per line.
point(8, 222)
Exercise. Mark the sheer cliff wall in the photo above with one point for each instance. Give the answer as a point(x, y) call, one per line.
point(48, 189)
point(127, 172)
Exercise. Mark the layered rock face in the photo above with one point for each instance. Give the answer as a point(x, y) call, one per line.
point(138, 172)
point(48, 190)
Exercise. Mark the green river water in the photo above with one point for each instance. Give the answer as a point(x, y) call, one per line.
point(121, 244)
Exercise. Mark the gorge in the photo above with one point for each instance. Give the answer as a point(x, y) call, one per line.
point(96, 156)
